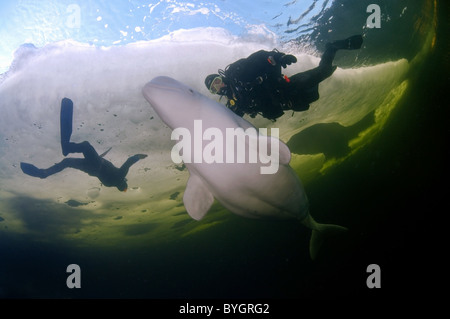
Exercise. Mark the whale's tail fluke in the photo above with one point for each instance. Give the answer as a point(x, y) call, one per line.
point(320, 232)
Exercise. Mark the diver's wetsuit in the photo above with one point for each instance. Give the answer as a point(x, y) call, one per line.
point(252, 84)
point(255, 84)
point(92, 163)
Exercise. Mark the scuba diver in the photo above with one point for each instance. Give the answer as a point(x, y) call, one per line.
point(255, 84)
point(92, 163)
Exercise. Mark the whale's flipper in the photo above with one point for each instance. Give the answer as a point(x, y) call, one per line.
point(66, 117)
point(320, 232)
point(197, 198)
point(284, 151)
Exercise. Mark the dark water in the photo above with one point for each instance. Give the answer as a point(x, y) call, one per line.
point(389, 195)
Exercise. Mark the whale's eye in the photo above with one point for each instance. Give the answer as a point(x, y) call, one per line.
point(191, 90)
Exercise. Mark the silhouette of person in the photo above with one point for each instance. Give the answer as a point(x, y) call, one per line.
point(256, 85)
point(92, 163)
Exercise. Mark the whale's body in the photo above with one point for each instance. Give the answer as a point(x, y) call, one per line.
point(240, 187)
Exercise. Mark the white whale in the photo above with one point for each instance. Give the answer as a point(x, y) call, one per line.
point(240, 187)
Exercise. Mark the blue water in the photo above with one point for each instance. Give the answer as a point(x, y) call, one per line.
point(372, 146)
point(105, 24)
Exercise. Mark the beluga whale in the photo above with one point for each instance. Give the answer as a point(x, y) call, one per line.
point(229, 160)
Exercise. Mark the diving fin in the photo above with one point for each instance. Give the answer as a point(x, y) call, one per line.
point(351, 43)
point(66, 118)
point(32, 170)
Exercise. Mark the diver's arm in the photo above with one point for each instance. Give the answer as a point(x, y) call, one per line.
point(280, 58)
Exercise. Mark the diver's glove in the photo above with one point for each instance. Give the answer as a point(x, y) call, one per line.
point(287, 60)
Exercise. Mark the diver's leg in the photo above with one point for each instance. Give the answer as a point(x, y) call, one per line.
point(351, 43)
point(314, 76)
point(311, 78)
point(325, 69)
point(303, 87)
point(32, 170)
point(130, 161)
point(66, 132)
point(66, 117)
point(84, 147)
